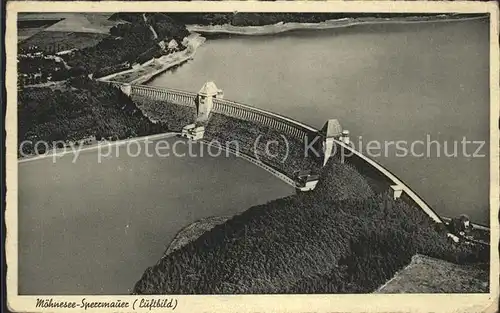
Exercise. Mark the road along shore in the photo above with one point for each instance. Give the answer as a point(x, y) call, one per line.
point(329, 24)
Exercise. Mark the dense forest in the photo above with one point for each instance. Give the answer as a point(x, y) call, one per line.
point(339, 238)
point(91, 109)
point(80, 108)
point(129, 42)
point(42, 69)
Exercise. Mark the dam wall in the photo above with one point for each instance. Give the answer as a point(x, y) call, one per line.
point(382, 179)
point(229, 108)
point(244, 112)
point(169, 95)
point(141, 73)
point(377, 175)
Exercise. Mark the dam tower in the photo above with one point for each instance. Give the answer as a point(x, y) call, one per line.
point(330, 131)
point(204, 100)
point(126, 89)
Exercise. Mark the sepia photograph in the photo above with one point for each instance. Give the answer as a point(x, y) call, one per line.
point(162, 152)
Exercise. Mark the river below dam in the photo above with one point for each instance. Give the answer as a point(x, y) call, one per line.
point(413, 83)
point(93, 227)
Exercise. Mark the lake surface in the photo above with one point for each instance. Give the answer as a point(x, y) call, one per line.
point(394, 82)
point(94, 228)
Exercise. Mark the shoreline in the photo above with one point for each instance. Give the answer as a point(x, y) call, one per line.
point(164, 63)
point(329, 24)
point(195, 40)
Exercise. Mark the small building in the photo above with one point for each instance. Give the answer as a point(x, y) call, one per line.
point(193, 132)
point(330, 131)
point(173, 45)
point(460, 226)
point(210, 89)
point(162, 45)
point(306, 180)
point(186, 129)
point(344, 137)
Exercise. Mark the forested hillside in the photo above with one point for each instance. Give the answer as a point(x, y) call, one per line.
point(72, 114)
point(340, 238)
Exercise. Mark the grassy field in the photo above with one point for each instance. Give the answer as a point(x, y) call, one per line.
point(75, 30)
point(430, 275)
point(70, 22)
point(27, 32)
point(54, 41)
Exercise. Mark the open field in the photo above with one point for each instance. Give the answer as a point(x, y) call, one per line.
point(71, 22)
point(55, 41)
point(429, 275)
point(28, 29)
point(74, 30)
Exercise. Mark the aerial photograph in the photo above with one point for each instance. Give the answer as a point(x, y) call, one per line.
point(227, 153)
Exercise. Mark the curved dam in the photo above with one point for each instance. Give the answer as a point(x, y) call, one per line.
point(380, 178)
point(411, 82)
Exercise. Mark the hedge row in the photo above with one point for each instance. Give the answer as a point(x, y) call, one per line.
point(307, 243)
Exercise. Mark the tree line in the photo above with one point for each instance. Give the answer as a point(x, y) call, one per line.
point(129, 43)
point(259, 19)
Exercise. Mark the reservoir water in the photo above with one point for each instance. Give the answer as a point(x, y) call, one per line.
point(93, 228)
point(413, 83)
